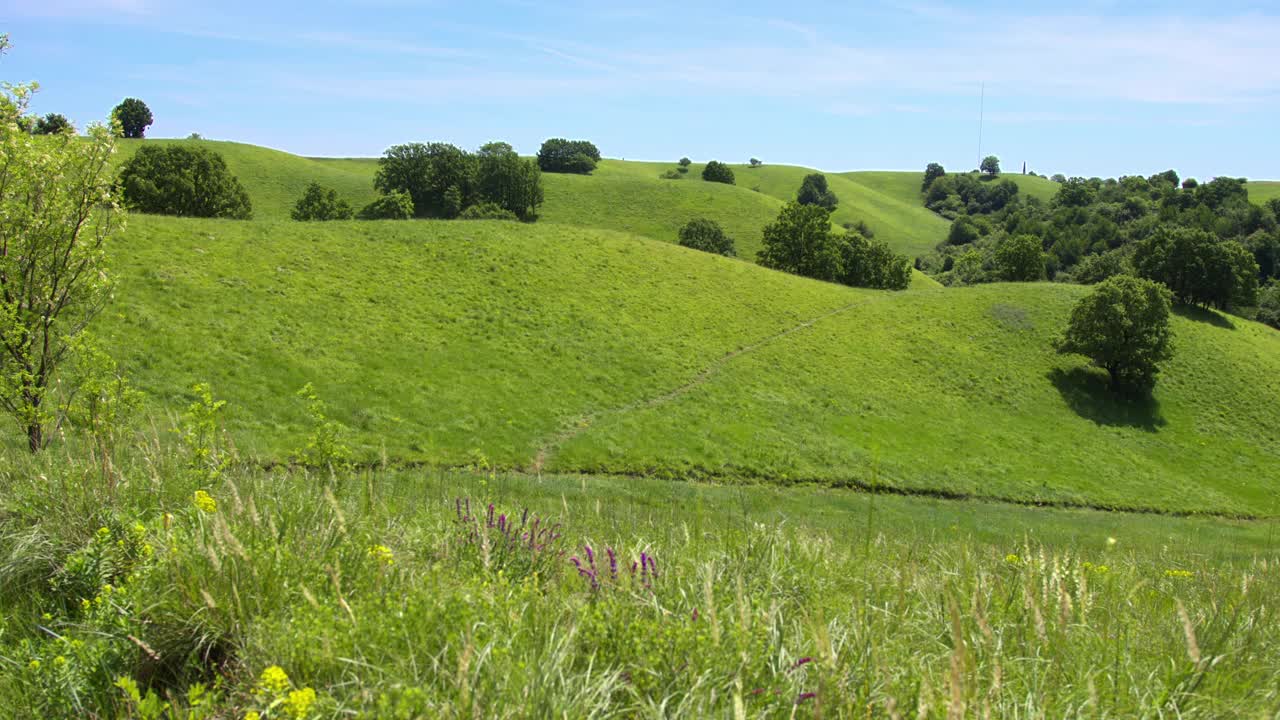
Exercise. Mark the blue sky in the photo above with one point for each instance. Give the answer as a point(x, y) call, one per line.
point(1085, 88)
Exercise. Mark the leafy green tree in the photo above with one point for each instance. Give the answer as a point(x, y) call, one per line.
point(182, 180)
point(134, 117)
point(506, 180)
point(439, 177)
point(800, 242)
point(1269, 304)
point(1123, 327)
point(969, 268)
point(685, 162)
point(707, 236)
point(487, 211)
point(395, 205)
point(558, 155)
point(718, 172)
point(321, 203)
point(52, 124)
point(755, 162)
point(1020, 259)
point(990, 165)
point(932, 172)
point(872, 264)
point(57, 214)
point(1198, 267)
point(814, 191)
point(1094, 269)
point(963, 231)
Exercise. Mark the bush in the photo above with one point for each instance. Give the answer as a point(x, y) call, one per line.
point(871, 264)
point(134, 117)
point(1123, 327)
point(487, 211)
point(963, 232)
point(1269, 304)
point(1020, 259)
point(568, 156)
point(321, 203)
point(707, 236)
point(392, 206)
point(671, 175)
point(718, 172)
point(1094, 269)
point(814, 191)
point(683, 169)
point(179, 180)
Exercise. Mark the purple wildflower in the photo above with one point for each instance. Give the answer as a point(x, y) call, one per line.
point(613, 563)
point(800, 663)
point(805, 696)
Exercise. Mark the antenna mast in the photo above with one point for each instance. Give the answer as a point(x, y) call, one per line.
point(982, 109)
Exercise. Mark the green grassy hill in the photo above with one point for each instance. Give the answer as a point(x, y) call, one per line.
point(573, 349)
point(1262, 191)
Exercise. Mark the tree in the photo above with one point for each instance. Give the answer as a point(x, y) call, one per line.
point(57, 214)
point(321, 203)
point(932, 172)
point(182, 180)
point(1020, 259)
point(707, 236)
point(52, 124)
point(685, 162)
point(134, 117)
point(718, 172)
point(558, 155)
point(506, 180)
point(871, 264)
point(1123, 327)
point(440, 178)
point(800, 242)
point(395, 205)
point(814, 191)
point(1198, 267)
point(755, 162)
point(990, 166)
point(963, 231)
point(1269, 304)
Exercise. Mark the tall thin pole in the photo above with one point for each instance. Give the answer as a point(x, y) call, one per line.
point(982, 110)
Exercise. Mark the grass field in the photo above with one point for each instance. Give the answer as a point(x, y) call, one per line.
point(579, 350)
point(365, 595)
point(1262, 191)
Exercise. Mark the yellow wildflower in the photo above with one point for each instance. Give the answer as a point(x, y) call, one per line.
point(1111, 541)
point(34, 665)
point(59, 661)
point(103, 534)
point(205, 502)
point(274, 680)
point(382, 554)
point(1179, 573)
point(252, 715)
point(299, 703)
point(1012, 559)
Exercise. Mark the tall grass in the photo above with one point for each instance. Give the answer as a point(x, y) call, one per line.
point(383, 595)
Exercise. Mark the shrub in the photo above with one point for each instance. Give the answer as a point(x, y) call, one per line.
point(1123, 327)
point(1020, 259)
point(134, 117)
point(568, 156)
point(814, 191)
point(391, 206)
point(487, 211)
point(683, 169)
point(718, 172)
point(671, 175)
point(1269, 304)
point(180, 180)
point(707, 236)
point(1096, 268)
point(963, 231)
point(321, 203)
point(871, 264)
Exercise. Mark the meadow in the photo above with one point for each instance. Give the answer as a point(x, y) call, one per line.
point(576, 350)
point(414, 593)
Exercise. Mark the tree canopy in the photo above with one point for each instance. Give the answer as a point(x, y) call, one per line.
point(182, 180)
point(814, 191)
point(134, 117)
point(558, 155)
point(716, 171)
point(321, 203)
point(1123, 327)
point(707, 236)
point(990, 165)
point(802, 242)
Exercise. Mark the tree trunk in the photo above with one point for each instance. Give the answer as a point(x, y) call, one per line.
point(35, 437)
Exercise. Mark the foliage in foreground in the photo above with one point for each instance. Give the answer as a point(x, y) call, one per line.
point(404, 595)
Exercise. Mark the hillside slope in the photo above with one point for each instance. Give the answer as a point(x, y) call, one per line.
point(1262, 191)
point(572, 349)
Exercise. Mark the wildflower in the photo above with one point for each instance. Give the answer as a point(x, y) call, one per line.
point(103, 534)
point(800, 663)
point(299, 703)
point(34, 665)
point(1099, 569)
point(1111, 541)
point(59, 661)
point(274, 680)
point(85, 605)
point(47, 617)
point(805, 696)
point(1179, 574)
point(205, 502)
point(382, 555)
point(1012, 559)
point(252, 715)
